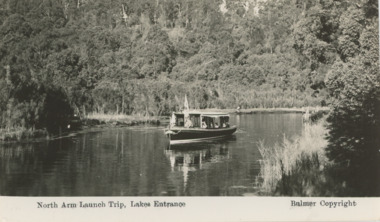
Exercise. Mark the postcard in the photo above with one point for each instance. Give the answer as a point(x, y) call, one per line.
point(189, 110)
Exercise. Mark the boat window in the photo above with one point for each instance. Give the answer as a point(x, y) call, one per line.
point(195, 119)
point(224, 121)
point(180, 120)
point(213, 121)
point(209, 121)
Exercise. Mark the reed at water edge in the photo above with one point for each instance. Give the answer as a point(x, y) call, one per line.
point(21, 133)
point(15, 134)
point(295, 167)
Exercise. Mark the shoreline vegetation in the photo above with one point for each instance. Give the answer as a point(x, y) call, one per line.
point(21, 134)
point(271, 110)
point(93, 120)
point(295, 167)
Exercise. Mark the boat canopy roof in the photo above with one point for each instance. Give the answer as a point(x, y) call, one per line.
point(204, 113)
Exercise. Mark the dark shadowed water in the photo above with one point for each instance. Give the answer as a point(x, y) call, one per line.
point(138, 161)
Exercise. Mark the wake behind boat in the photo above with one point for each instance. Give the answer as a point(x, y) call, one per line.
point(195, 126)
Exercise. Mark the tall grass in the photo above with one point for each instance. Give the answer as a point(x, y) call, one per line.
point(302, 155)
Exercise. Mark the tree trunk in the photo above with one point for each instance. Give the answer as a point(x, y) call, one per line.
point(155, 13)
point(8, 75)
point(65, 9)
point(154, 65)
point(304, 8)
point(179, 14)
point(187, 15)
point(122, 105)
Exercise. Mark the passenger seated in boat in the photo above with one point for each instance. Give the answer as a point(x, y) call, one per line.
point(188, 123)
point(204, 125)
point(224, 125)
point(216, 125)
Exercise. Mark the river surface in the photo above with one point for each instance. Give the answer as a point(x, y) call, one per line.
point(138, 161)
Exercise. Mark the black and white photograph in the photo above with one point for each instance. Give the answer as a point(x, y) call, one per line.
point(173, 99)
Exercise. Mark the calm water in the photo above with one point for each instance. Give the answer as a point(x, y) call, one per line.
point(138, 161)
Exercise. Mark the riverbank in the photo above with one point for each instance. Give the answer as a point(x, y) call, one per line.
point(97, 120)
point(270, 110)
point(21, 134)
point(296, 166)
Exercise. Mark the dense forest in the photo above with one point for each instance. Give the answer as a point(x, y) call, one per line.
point(59, 57)
point(65, 57)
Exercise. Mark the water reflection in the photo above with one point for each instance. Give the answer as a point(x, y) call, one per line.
point(192, 157)
point(138, 161)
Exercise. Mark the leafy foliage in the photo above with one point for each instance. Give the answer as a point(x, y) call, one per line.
point(111, 56)
point(355, 119)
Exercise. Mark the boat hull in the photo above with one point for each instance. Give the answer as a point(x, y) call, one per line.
point(188, 135)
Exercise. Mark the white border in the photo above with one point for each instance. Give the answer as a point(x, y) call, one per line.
point(223, 209)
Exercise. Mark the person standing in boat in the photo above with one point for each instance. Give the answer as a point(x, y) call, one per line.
point(173, 120)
